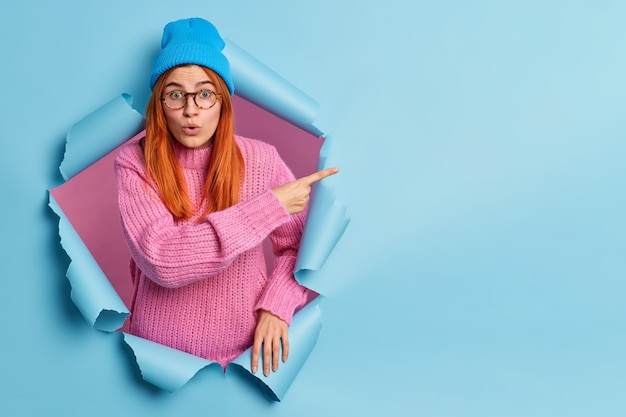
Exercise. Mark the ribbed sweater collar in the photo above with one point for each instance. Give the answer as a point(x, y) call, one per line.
point(192, 158)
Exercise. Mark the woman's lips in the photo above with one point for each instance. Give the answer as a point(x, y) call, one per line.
point(191, 130)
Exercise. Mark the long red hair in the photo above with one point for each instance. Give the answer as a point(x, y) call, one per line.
point(226, 165)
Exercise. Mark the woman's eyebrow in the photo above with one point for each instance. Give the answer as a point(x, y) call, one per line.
point(201, 83)
point(178, 85)
point(173, 84)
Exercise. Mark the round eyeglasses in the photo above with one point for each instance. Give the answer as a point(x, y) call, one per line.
point(176, 100)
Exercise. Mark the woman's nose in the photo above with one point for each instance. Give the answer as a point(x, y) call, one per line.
point(190, 107)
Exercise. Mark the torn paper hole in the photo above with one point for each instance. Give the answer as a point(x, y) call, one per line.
point(91, 233)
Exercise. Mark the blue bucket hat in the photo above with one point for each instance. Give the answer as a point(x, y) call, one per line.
point(192, 41)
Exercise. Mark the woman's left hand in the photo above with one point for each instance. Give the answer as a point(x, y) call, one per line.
point(270, 331)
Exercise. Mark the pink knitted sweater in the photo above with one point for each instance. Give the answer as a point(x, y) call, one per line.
point(198, 285)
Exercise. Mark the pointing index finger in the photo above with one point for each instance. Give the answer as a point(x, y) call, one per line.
point(319, 175)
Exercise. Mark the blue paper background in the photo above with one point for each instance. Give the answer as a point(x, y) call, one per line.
point(481, 146)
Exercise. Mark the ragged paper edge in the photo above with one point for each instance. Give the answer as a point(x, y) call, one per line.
point(257, 83)
point(94, 136)
point(165, 367)
point(326, 223)
point(86, 142)
point(91, 290)
point(263, 87)
point(170, 369)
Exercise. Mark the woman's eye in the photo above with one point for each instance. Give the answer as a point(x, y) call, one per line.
point(176, 95)
point(204, 94)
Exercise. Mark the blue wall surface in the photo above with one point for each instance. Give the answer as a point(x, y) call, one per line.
point(482, 151)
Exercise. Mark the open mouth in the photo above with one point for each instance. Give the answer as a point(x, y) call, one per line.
point(190, 130)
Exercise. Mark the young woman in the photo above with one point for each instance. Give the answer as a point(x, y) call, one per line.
point(196, 203)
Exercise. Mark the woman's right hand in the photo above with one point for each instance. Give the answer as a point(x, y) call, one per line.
point(295, 194)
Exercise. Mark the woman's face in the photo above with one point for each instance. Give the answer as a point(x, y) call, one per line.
point(191, 126)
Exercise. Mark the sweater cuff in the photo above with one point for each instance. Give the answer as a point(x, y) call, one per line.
point(264, 213)
point(282, 299)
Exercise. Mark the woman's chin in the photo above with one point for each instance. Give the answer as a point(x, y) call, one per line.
point(194, 141)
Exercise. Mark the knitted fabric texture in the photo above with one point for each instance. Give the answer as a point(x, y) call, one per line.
point(199, 282)
point(192, 41)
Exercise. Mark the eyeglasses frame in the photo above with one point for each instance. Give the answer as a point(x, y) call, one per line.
point(193, 94)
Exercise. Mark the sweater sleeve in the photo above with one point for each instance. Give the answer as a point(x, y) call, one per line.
point(283, 294)
point(174, 255)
